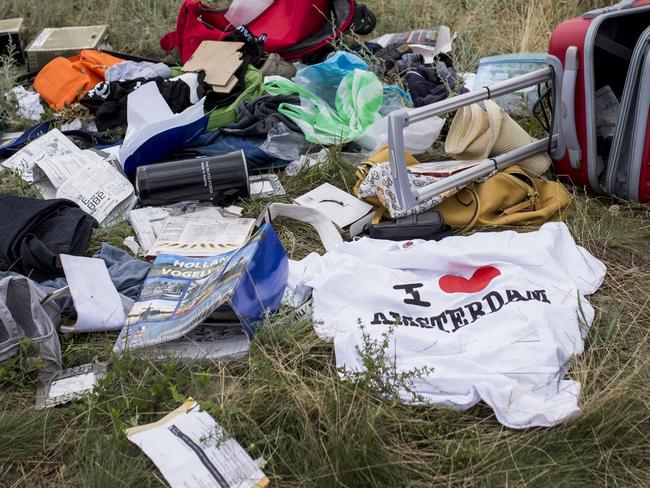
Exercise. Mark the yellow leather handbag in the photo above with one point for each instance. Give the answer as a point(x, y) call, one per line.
point(510, 197)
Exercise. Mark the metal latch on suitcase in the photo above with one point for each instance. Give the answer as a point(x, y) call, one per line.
point(397, 121)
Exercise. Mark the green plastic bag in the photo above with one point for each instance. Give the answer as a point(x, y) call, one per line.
point(358, 100)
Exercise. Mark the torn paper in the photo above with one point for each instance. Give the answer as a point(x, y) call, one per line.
point(192, 450)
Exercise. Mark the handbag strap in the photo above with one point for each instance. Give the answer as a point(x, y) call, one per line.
point(477, 210)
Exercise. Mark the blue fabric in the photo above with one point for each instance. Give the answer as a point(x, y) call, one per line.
point(215, 143)
point(160, 146)
point(127, 274)
point(34, 132)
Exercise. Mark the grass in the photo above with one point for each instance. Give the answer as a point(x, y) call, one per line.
point(285, 401)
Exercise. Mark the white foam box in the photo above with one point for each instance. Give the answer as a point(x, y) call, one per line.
point(63, 41)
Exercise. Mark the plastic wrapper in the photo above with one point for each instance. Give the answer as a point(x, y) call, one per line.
point(284, 143)
point(324, 78)
point(418, 137)
point(241, 12)
point(494, 69)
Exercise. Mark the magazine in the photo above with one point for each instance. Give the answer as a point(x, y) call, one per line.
point(441, 169)
point(182, 298)
point(197, 236)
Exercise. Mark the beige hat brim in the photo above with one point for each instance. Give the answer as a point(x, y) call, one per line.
point(469, 131)
point(474, 132)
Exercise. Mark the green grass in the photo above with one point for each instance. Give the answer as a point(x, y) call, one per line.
point(285, 401)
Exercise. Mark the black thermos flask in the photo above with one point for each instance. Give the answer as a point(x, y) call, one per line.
point(220, 179)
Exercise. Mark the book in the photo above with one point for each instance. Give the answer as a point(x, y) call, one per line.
point(441, 169)
point(192, 235)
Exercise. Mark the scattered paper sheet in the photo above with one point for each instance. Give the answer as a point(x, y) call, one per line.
point(208, 341)
point(147, 223)
point(192, 450)
point(49, 145)
point(88, 180)
point(133, 246)
point(197, 236)
point(339, 206)
point(266, 185)
point(97, 302)
point(69, 385)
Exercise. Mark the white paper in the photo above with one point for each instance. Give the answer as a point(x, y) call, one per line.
point(29, 103)
point(133, 246)
point(91, 182)
point(191, 450)
point(196, 236)
point(79, 124)
point(607, 108)
point(49, 145)
point(265, 185)
point(74, 385)
point(97, 302)
point(143, 220)
point(69, 385)
point(207, 341)
point(340, 207)
point(148, 114)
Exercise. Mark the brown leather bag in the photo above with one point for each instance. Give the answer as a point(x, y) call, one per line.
point(510, 197)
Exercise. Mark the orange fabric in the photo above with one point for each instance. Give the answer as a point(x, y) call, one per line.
point(64, 81)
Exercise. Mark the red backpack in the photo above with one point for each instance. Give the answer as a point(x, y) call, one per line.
point(293, 27)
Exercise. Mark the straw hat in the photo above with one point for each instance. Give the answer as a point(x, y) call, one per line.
point(477, 134)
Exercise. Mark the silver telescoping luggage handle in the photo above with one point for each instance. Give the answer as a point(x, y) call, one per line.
point(397, 121)
point(622, 5)
point(569, 131)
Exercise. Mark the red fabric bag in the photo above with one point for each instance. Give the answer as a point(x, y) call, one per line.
point(293, 27)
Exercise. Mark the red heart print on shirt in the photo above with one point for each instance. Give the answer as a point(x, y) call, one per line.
point(479, 281)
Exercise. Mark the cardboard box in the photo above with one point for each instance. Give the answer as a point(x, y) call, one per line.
point(11, 35)
point(350, 215)
point(64, 41)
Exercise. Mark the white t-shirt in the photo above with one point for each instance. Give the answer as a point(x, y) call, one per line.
point(495, 316)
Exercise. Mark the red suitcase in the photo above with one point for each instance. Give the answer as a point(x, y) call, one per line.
point(597, 50)
point(608, 47)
